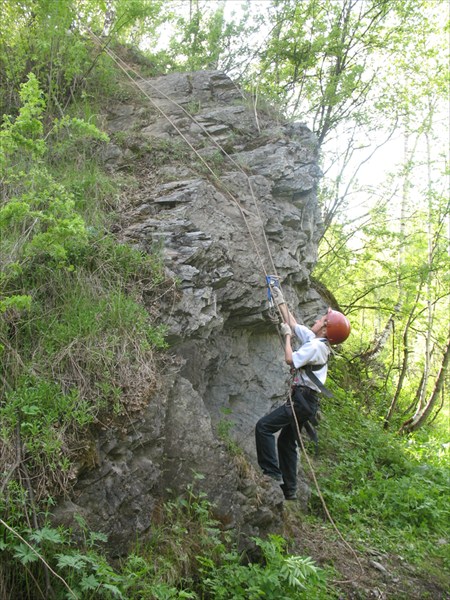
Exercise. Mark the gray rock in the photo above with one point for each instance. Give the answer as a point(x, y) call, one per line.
point(219, 236)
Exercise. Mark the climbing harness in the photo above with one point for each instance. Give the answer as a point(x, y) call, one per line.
point(312, 433)
point(306, 405)
point(309, 370)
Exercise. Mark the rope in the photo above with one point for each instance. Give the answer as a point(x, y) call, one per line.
point(127, 68)
point(316, 483)
point(39, 556)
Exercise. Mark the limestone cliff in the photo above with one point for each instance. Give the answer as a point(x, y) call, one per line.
point(227, 368)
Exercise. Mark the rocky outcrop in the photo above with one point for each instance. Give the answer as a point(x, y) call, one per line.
point(242, 206)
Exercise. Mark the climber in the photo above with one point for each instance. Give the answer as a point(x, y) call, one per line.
point(309, 364)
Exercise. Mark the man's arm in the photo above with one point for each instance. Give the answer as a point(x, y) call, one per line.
point(287, 332)
point(288, 350)
point(287, 316)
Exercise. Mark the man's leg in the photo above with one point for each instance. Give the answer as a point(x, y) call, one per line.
point(287, 454)
point(265, 440)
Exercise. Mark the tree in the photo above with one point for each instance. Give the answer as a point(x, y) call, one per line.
point(424, 410)
point(204, 37)
point(52, 40)
point(317, 59)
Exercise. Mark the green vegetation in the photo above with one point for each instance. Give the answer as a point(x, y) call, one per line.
point(78, 344)
point(74, 332)
point(187, 557)
point(368, 475)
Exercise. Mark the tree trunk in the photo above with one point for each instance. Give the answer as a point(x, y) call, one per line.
point(422, 414)
point(404, 363)
point(400, 379)
point(380, 341)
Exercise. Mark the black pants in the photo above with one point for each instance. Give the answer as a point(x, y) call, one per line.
point(281, 462)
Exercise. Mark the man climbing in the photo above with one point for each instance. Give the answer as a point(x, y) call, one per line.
point(310, 364)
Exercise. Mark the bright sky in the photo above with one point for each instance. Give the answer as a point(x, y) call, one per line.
point(389, 156)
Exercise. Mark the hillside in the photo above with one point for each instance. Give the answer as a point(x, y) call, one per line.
point(139, 352)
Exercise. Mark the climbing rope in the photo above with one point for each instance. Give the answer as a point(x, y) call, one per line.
point(126, 69)
point(316, 483)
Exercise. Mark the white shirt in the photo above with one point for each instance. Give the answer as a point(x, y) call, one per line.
point(313, 351)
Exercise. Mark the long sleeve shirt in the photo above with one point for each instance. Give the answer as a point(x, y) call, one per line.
point(312, 351)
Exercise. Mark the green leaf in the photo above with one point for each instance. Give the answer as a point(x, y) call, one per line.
point(95, 536)
point(89, 583)
point(25, 554)
point(20, 302)
point(113, 589)
point(72, 561)
point(46, 533)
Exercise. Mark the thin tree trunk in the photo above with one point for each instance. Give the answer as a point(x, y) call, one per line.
point(426, 373)
point(400, 379)
point(380, 341)
point(407, 156)
point(422, 413)
point(405, 361)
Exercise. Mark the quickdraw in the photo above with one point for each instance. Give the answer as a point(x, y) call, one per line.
point(273, 313)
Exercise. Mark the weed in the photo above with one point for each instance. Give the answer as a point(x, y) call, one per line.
point(188, 556)
point(224, 428)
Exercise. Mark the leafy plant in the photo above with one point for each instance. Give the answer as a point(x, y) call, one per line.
point(188, 556)
point(224, 428)
point(278, 576)
point(368, 473)
point(53, 564)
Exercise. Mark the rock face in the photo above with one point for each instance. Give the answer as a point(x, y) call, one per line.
point(242, 206)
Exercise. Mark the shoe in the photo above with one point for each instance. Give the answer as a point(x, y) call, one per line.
point(291, 496)
point(272, 478)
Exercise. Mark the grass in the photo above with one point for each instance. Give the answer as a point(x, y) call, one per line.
point(385, 491)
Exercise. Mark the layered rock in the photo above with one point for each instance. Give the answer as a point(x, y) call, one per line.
point(242, 206)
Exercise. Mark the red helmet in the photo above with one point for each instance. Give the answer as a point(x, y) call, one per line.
point(338, 327)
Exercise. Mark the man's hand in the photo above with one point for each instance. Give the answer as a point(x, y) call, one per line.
point(277, 295)
point(285, 329)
